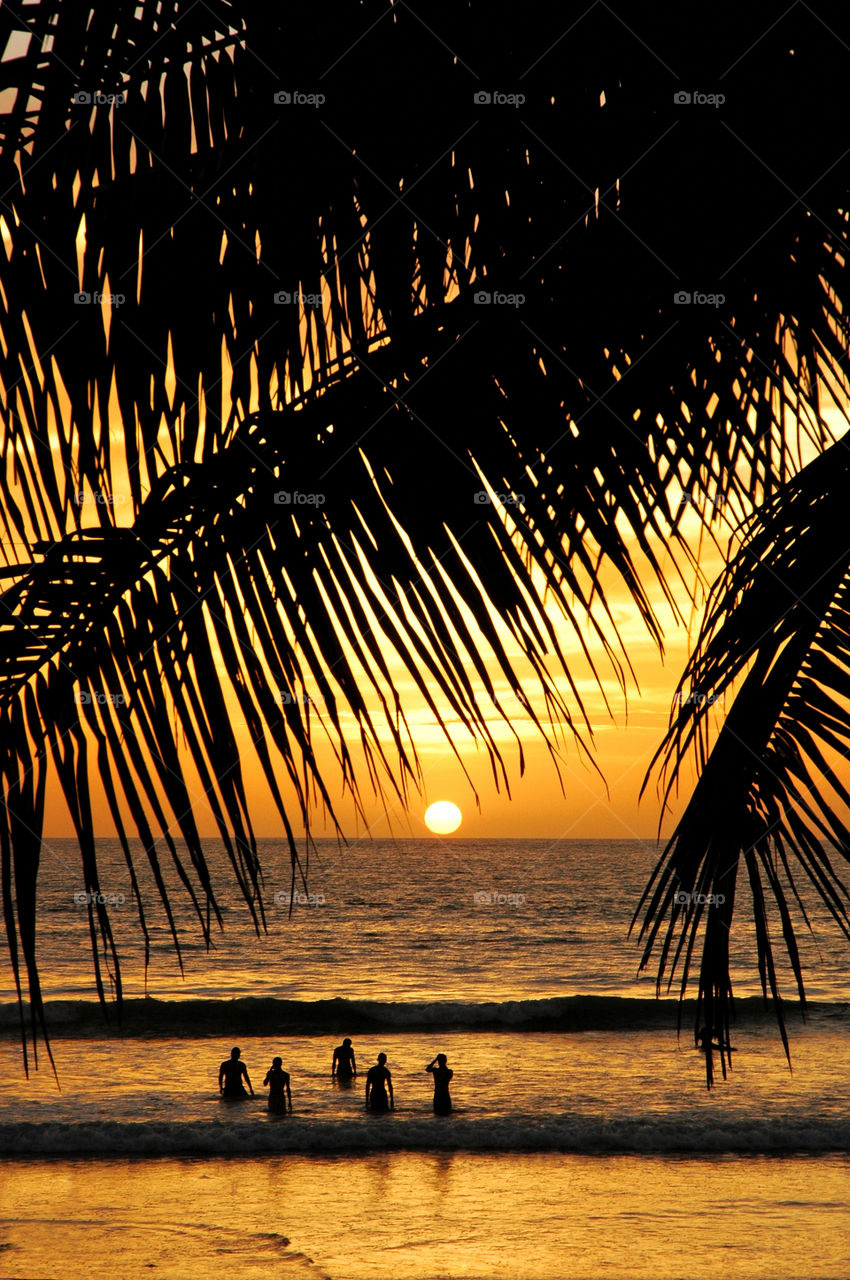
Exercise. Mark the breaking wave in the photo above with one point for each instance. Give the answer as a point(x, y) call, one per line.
point(683, 1134)
point(260, 1015)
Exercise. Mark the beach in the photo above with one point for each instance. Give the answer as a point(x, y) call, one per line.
point(426, 1216)
point(583, 1142)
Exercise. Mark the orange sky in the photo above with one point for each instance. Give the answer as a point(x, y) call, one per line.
point(624, 747)
point(624, 743)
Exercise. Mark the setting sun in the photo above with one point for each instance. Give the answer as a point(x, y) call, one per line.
point(443, 817)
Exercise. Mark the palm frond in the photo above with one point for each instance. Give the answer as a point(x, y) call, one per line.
point(282, 296)
point(770, 799)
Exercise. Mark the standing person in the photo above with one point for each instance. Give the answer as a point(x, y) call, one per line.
point(378, 1081)
point(279, 1091)
point(230, 1075)
point(442, 1075)
point(344, 1067)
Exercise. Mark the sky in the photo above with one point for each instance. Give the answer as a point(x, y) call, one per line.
point(578, 798)
point(589, 799)
point(583, 797)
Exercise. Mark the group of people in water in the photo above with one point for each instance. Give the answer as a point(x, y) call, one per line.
point(379, 1081)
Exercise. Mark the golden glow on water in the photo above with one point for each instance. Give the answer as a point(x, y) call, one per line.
point(417, 1213)
point(417, 1216)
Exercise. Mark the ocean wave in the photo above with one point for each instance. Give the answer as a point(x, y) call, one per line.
point(583, 1134)
point(245, 1016)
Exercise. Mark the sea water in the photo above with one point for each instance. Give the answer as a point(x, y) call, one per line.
point(583, 1141)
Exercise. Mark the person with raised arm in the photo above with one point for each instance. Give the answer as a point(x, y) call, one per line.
point(278, 1085)
point(442, 1074)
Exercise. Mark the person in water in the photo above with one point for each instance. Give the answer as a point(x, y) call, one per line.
point(230, 1075)
point(442, 1075)
point(344, 1067)
point(279, 1091)
point(378, 1081)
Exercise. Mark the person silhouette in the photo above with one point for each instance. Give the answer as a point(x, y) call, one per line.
point(344, 1066)
point(378, 1081)
point(230, 1075)
point(279, 1091)
point(442, 1075)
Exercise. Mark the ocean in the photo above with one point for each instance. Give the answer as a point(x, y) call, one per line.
point(583, 1142)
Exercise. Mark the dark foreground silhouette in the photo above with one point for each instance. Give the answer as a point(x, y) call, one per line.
point(442, 1074)
point(378, 1082)
point(230, 1075)
point(344, 1066)
point(710, 1041)
point(278, 1085)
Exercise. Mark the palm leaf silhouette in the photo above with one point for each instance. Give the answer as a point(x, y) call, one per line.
point(218, 289)
point(769, 794)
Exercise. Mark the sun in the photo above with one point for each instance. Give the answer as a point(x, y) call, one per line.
point(443, 817)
